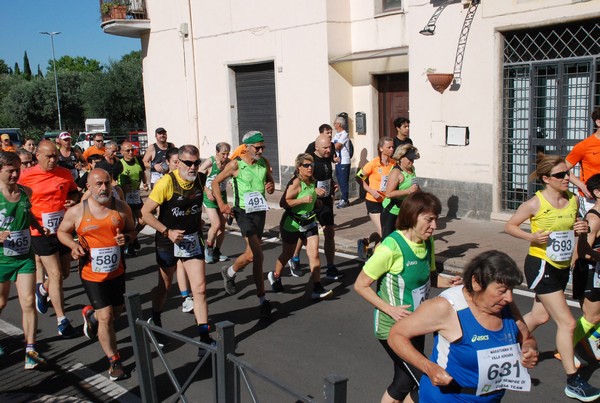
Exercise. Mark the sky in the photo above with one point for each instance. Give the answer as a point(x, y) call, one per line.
point(77, 20)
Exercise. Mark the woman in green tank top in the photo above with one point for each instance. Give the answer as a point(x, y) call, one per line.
point(299, 222)
point(401, 183)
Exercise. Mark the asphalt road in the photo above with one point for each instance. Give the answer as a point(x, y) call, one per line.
point(304, 342)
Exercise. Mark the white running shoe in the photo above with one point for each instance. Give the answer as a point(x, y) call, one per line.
point(188, 304)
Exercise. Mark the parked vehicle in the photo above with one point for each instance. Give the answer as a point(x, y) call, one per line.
point(86, 139)
point(139, 139)
point(92, 126)
point(16, 138)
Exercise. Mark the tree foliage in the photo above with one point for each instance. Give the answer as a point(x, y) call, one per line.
point(26, 67)
point(86, 90)
point(79, 64)
point(17, 69)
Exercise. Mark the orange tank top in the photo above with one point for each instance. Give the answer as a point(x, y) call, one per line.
point(97, 235)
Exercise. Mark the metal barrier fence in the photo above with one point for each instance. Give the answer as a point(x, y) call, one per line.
point(229, 370)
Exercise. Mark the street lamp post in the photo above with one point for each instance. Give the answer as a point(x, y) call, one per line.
point(51, 34)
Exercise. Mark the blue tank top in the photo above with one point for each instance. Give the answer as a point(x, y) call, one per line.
point(459, 358)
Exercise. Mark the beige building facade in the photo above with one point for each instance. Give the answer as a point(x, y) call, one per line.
point(525, 77)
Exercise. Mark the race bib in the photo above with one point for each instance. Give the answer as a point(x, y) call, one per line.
point(325, 185)
point(560, 245)
point(189, 246)
point(133, 197)
point(222, 185)
point(500, 368)
point(154, 176)
point(383, 184)
point(419, 295)
point(17, 243)
point(52, 220)
point(105, 260)
point(254, 202)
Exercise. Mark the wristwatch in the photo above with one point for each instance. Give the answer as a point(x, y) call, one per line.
point(165, 233)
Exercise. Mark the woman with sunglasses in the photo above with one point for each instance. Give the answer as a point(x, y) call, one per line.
point(299, 221)
point(552, 213)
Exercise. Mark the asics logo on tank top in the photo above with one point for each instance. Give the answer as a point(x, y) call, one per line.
point(479, 338)
point(411, 263)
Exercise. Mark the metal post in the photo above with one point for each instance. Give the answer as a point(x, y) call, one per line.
point(51, 34)
point(141, 349)
point(225, 368)
point(335, 389)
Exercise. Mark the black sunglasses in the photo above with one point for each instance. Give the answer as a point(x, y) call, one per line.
point(310, 165)
point(258, 148)
point(560, 175)
point(190, 163)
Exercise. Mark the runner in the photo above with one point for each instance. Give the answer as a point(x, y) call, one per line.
point(53, 192)
point(552, 213)
point(179, 235)
point(155, 157)
point(251, 179)
point(69, 157)
point(129, 173)
point(216, 233)
point(299, 222)
point(104, 226)
point(16, 258)
point(481, 343)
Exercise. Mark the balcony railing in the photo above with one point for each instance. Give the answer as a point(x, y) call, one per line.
point(124, 17)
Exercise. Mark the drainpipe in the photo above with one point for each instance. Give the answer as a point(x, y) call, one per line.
point(196, 141)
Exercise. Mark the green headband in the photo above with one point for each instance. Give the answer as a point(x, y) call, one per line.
point(255, 138)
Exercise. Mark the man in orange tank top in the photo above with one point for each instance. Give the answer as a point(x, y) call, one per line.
point(104, 226)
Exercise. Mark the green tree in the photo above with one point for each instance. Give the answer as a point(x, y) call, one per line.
point(4, 69)
point(39, 73)
point(79, 64)
point(118, 94)
point(17, 69)
point(26, 67)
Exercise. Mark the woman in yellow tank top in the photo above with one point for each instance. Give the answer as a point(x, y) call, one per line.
point(552, 213)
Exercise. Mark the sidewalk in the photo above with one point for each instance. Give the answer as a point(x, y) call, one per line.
point(457, 239)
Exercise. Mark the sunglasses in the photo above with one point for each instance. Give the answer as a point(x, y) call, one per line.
point(258, 148)
point(560, 175)
point(310, 165)
point(99, 141)
point(190, 163)
point(26, 163)
point(128, 150)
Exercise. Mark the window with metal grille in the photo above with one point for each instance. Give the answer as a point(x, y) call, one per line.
point(550, 85)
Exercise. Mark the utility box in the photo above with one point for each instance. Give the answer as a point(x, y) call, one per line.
point(361, 122)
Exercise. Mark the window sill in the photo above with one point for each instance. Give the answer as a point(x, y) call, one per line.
point(389, 12)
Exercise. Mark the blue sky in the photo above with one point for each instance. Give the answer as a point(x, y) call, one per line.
point(77, 20)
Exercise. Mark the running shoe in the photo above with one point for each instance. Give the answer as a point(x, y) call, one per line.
point(41, 301)
point(228, 282)
point(34, 360)
point(265, 309)
point(361, 248)
point(294, 264)
point(66, 330)
point(578, 388)
point(218, 257)
point(206, 340)
point(115, 371)
point(209, 256)
point(578, 363)
point(333, 273)
point(276, 285)
point(90, 329)
point(188, 304)
point(161, 340)
point(343, 204)
point(319, 292)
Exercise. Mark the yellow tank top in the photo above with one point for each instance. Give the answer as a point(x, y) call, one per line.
point(549, 218)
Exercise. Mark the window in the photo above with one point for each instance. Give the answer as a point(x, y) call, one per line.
point(390, 5)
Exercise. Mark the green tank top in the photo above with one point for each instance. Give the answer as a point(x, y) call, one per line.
point(14, 217)
point(301, 215)
point(214, 171)
point(409, 287)
point(131, 175)
point(393, 204)
point(250, 178)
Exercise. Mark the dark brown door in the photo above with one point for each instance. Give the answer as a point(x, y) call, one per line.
point(393, 101)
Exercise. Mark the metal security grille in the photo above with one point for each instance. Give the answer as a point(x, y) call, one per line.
point(550, 85)
point(257, 109)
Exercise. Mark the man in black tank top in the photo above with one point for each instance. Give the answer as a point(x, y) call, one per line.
point(69, 157)
point(156, 156)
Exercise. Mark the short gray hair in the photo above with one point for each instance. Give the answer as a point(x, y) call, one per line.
point(340, 120)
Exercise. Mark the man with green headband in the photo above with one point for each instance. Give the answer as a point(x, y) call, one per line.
point(251, 175)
